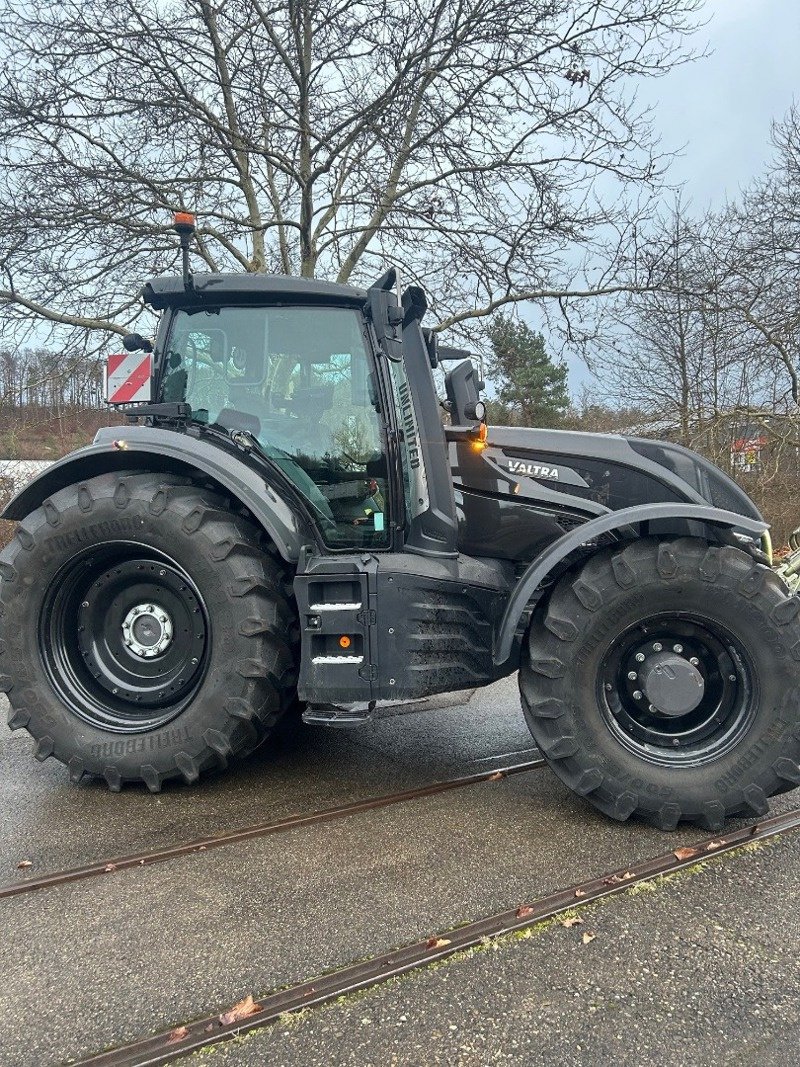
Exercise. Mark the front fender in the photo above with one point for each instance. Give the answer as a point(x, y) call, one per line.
point(544, 564)
point(169, 451)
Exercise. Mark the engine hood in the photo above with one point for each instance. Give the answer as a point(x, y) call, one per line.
point(588, 473)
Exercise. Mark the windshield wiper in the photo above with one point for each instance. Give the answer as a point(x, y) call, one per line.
point(173, 412)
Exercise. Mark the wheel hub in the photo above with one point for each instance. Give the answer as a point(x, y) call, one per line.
point(124, 637)
point(672, 684)
point(676, 688)
point(147, 630)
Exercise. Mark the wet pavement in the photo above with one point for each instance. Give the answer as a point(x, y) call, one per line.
point(105, 960)
point(699, 971)
point(55, 824)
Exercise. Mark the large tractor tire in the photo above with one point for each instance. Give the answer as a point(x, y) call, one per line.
point(146, 631)
point(661, 680)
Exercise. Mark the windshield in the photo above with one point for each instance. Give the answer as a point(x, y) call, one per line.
point(298, 380)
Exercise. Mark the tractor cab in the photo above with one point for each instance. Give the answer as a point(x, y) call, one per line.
point(331, 385)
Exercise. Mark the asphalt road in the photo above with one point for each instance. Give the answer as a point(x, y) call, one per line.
point(701, 970)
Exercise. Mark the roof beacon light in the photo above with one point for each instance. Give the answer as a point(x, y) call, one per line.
point(183, 223)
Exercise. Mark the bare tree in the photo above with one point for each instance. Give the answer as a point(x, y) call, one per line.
point(752, 249)
point(486, 144)
point(670, 353)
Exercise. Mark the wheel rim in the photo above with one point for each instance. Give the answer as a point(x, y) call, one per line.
point(677, 689)
point(124, 637)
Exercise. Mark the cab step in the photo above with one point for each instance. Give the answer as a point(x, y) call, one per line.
point(345, 717)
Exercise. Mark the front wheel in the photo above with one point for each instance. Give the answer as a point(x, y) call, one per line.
point(146, 631)
point(661, 681)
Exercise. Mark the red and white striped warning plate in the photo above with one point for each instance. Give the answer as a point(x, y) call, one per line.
point(128, 377)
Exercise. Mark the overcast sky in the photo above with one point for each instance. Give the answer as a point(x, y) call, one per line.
point(719, 109)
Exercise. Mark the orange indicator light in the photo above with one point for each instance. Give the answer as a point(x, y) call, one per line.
point(479, 437)
point(345, 641)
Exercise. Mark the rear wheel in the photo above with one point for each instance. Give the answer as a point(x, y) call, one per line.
point(146, 632)
point(661, 681)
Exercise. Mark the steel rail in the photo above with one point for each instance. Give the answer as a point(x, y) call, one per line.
point(263, 829)
point(169, 1045)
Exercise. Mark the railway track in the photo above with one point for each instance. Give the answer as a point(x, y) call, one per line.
point(115, 864)
point(182, 1039)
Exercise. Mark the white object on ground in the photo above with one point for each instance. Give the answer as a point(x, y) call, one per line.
point(18, 472)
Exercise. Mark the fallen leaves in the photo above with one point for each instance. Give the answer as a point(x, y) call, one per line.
point(580, 892)
point(588, 936)
point(240, 1011)
point(109, 867)
point(618, 879)
point(523, 911)
point(180, 1033)
point(437, 942)
point(495, 777)
point(685, 853)
point(715, 844)
point(24, 864)
point(572, 920)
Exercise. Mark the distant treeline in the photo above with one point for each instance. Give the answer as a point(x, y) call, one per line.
point(37, 378)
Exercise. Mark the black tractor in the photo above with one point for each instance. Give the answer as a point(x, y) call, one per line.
point(296, 524)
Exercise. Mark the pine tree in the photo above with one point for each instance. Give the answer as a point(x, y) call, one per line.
point(531, 387)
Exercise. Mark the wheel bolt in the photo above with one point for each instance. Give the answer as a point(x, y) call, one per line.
point(652, 708)
point(695, 662)
point(731, 677)
point(85, 604)
point(637, 694)
point(677, 648)
point(675, 742)
point(640, 657)
point(632, 675)
point(608, 687)
point(657, 646)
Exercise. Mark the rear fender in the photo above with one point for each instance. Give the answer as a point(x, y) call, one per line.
point(627, 519)
point(167, 451)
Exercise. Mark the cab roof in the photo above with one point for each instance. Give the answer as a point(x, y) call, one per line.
point(169, 291)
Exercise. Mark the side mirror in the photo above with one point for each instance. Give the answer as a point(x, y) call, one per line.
point(134, 342)
point(462, 387)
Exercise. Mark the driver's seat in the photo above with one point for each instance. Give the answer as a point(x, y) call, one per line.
point(309, 404)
